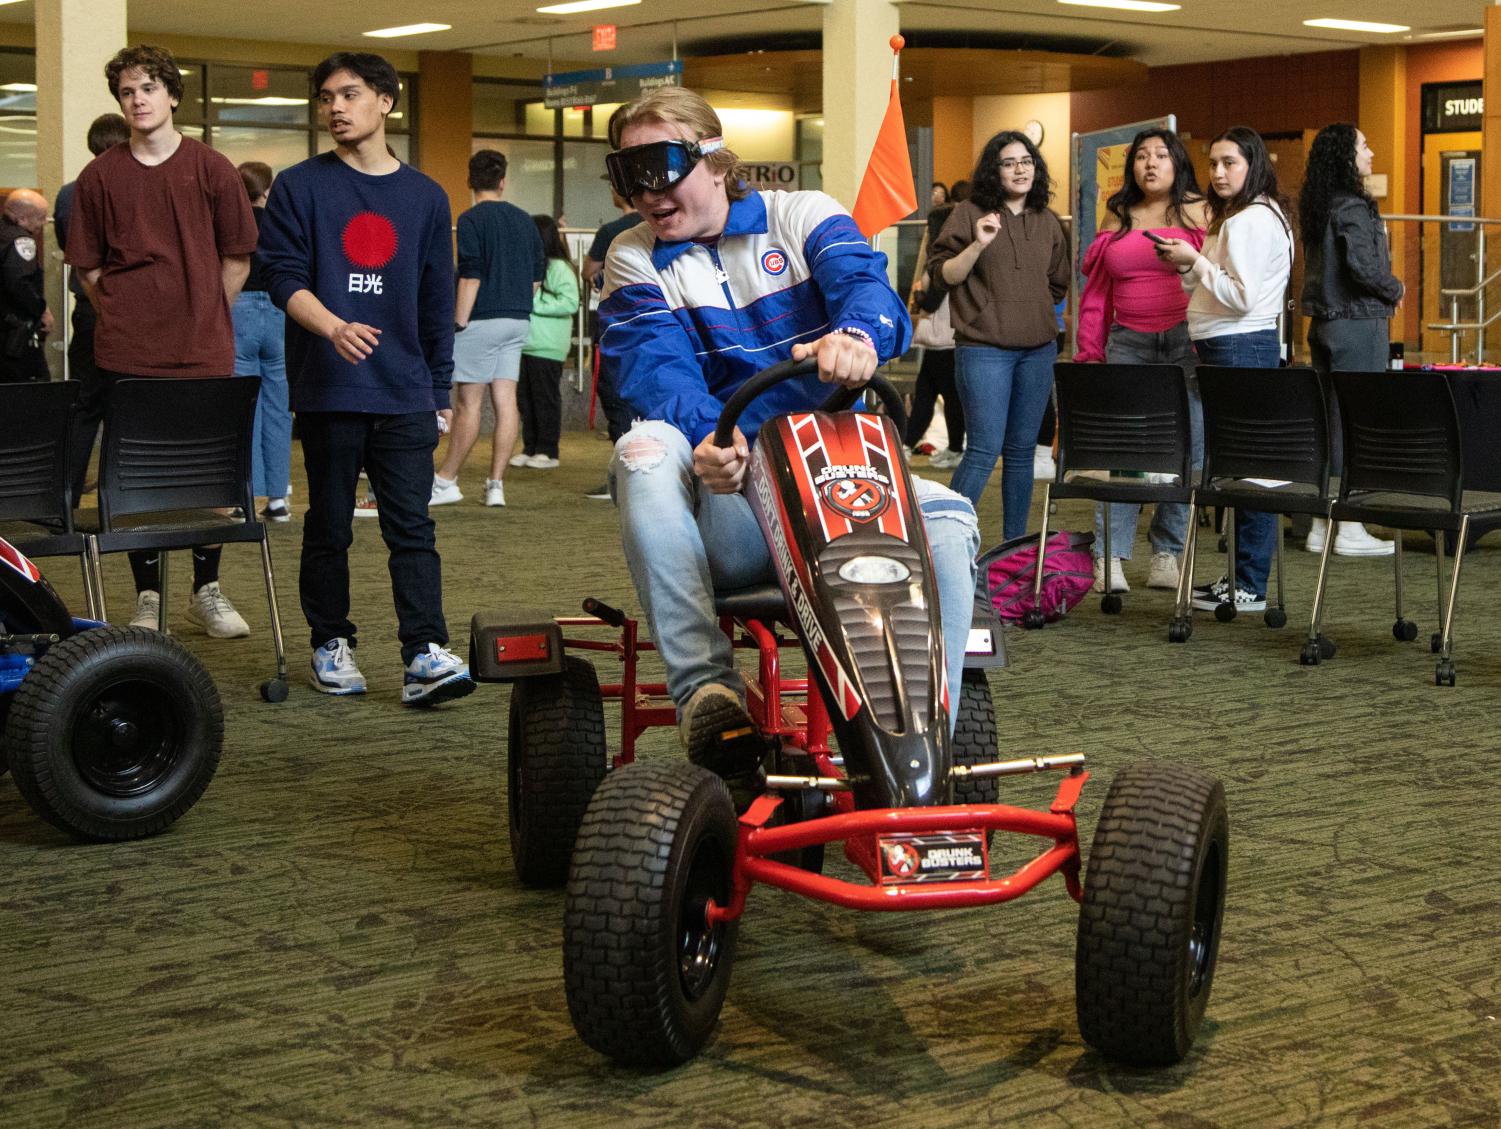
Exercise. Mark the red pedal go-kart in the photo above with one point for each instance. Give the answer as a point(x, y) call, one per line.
point(663, 857)
point(110, 733)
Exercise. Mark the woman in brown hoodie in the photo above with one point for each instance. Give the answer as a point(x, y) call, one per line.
point(1003, 258)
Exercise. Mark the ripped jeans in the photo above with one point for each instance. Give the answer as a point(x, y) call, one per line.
point(682, 541)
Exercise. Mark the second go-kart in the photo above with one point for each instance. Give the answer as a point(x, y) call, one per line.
point(664, 855)
point(110, 733)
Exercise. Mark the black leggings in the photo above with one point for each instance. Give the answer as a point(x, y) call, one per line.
point(936, 378)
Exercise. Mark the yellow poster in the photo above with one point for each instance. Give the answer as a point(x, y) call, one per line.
point(1110, 174)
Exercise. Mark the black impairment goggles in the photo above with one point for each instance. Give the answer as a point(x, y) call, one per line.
point(657, 166)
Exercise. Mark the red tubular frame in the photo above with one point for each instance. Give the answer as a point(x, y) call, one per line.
point(804, 723)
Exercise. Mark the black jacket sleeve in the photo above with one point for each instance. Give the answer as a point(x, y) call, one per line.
point(1363, 252)
point(21, 283)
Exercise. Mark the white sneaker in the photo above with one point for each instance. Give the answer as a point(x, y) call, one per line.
point(445, 492)
point(520, 458)
point(211, 610)
point(333, 670)
point(1117, 576)
point(495, 492)
point(1352, 540)
point(435, 675)
point(148, 610)
point(1164, 571)
point(1043, 465)
point(1318, 530)
point(541, 462)
point(945, 459)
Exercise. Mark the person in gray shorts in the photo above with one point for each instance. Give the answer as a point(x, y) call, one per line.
point(501, 265)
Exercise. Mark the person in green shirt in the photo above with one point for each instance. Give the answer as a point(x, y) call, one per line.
point(539, 396)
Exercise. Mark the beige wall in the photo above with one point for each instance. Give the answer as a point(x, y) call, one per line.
point(1011, 111)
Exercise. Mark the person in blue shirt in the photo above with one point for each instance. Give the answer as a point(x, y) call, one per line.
point(718, 283)
point(355, 248)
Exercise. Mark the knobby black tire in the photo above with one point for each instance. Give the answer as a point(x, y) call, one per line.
point(1156, 866)
point(975, 740)
point(51, 708)
point(555, 759)
point(651, 834)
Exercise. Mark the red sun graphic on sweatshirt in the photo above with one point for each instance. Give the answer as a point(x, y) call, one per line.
point(370, 240)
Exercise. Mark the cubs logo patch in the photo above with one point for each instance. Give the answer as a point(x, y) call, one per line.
point(859, 499)
point(774, 261)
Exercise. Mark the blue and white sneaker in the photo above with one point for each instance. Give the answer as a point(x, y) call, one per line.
point(333, 669)
point(436, 675)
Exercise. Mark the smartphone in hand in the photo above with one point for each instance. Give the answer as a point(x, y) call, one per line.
point(1154, 237)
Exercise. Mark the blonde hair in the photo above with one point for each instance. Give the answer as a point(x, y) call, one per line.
point(677, 105)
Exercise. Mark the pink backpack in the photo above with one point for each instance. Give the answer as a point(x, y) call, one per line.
point(1007, 574)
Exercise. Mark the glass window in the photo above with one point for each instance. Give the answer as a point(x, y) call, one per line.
point(501, 106)
point(600, 113)
point(17, 119)
point(530, 169)
point(190, 109)
point(279, 148)
point(258, 95)
point(539, 120)
point(586, 197)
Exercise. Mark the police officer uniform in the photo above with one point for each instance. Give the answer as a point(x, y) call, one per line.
point(22, 304)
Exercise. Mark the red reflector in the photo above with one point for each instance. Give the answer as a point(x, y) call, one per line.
point(522, 648)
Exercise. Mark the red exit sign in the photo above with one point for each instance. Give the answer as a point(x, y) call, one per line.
point(604, 37)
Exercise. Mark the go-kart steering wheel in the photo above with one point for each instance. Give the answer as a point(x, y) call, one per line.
point(842, 398)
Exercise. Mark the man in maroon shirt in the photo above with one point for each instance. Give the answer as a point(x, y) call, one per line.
point(161, 238)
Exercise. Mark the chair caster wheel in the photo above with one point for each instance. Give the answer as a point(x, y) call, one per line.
point(1404, 631)
point(1224, 612)
point(1309, 655)
point(1443, 673)
point(1110, 604)
point(1179, 630)
point(1032, 619)
point(274, 690)
point(1276, 617)
point(1326, 648)
point(1436, 642)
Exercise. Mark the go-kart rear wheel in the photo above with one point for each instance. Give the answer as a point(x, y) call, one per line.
point(644, 971)
point(115, 733)
point(555, 759)
point(1149, 926)
point(975, 740)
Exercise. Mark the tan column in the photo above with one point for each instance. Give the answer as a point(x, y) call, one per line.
point(74, 39)
point(1490, 165)
point(1383, 120)
point(445, 121)
point(856, 87)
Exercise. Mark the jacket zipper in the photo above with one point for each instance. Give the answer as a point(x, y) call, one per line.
point(719, 273)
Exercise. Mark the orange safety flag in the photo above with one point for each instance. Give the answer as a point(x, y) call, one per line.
point(887, 192)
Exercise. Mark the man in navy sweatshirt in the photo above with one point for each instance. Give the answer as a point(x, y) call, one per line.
point(356, 248)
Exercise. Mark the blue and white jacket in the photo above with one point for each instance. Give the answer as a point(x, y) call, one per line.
point(682, 325)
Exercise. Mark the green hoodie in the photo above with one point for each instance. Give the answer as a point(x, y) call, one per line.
point(552, 312)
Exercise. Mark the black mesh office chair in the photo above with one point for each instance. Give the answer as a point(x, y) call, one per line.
point(1263, 425)
point(176, 453)
point(1119, 418)
point(1404, 468)
point(35, 421)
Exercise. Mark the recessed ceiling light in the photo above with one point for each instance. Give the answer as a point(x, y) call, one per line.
point(408, 29)
point(1126, 5)
point(1357, 25)
point(584, 6)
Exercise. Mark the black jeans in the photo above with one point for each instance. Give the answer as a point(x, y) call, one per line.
point(936, 378)
point(540, 400)
point(397, 453)
point(92, 388)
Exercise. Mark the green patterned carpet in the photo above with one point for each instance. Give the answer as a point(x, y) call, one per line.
point(333, 936)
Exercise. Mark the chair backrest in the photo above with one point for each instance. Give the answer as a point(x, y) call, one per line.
point(35, 421)
point(1266, 423)
point(176, 445)
point(1401, 434)
point(1123, 417)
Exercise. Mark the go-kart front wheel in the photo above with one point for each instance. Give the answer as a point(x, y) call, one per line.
point(555, 758)
point(644, 971)
point(1149, 926)
point(975, 740)
point(115, 733)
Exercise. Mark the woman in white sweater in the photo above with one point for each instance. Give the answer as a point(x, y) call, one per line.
point(1238, 284)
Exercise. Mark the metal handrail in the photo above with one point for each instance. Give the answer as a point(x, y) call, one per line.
point(1452, 327)
point(1471, 291)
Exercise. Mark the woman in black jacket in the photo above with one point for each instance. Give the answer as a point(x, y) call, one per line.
point(1349, 291)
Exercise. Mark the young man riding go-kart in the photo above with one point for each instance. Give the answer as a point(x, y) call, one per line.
point(718, 283)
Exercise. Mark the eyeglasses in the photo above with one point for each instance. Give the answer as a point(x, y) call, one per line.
point(657, 165)
point(1017, 163)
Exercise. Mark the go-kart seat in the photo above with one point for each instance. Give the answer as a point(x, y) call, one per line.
point(759, 601)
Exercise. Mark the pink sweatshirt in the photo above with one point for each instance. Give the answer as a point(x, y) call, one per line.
point(1125, 283)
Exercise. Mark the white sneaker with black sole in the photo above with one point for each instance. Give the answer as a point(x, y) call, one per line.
point(435, 675)
point(333, 670)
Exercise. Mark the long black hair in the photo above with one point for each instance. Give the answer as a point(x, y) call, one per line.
point(554, 246)
point(1261, 178)
point(1185, 182)
point(985, 188)
point(1330, 172)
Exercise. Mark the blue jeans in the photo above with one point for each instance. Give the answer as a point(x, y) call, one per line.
point(683, 541)
point(260, 330)
point(1170, 519)
point(1255, 532)
point(1005, 394)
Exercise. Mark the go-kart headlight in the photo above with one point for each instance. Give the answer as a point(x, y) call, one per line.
point(874, 570)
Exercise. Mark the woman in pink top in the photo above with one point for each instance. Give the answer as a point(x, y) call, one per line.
point(1133, 312)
